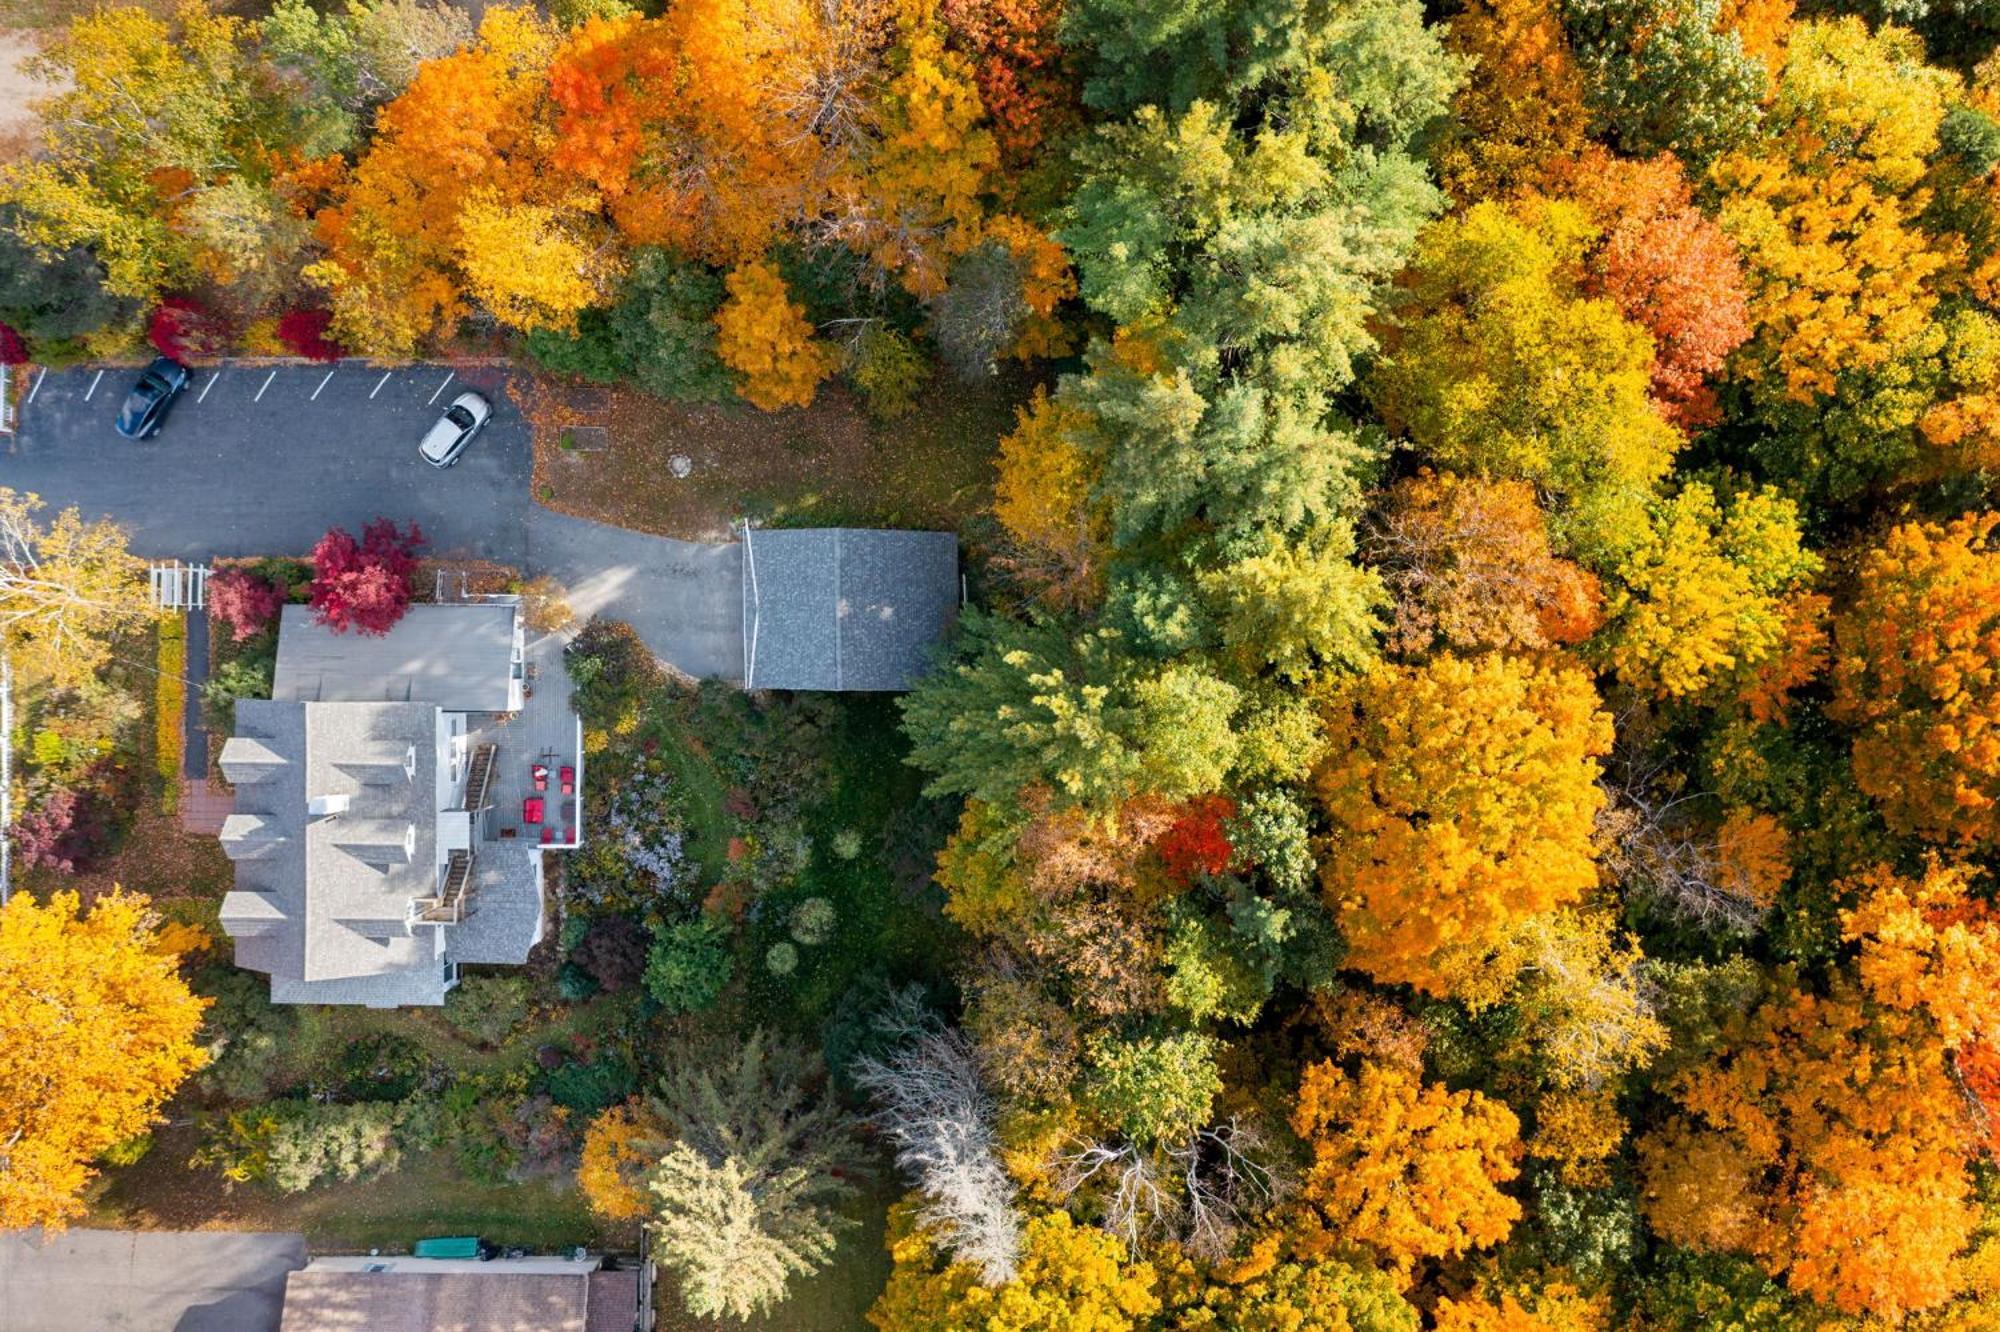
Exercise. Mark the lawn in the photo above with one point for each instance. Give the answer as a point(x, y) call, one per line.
point(825, 465)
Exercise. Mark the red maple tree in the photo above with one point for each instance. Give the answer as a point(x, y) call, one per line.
point(364, 585)
point(1197, 843)
point(245, 602)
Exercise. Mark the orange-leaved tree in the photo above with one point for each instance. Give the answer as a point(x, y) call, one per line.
point(468, 127)
point(1469, 565)
point(1462, 795)
point(762, 334)
point(97, 1029)
point(1671, 270)
point(1917, 668)
point(1409, 1169)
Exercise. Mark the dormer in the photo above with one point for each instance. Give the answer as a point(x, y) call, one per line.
point(378, 763)
point(380, 843)
point(247, 760)
point(251, 836)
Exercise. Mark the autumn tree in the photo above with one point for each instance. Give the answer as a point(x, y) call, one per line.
point(1020, 67)
point(1043, 499)
point(1499, 366)
point(244, 602)
point(1825, 209)
point(158, 128)
point(1917, 670)
point(1670, 269)
point(1469, 567)
point(364, 585)
point(466, 129)
point(68, 589)
point(1666, 74)
point(1826, 1139)
point(534, 266)
point(1699, 597)
point(97, 1029)
point(1070, 1276)
point(1522, 110)
point(762, 334)
point(1408, 1169)
point(1462, 795)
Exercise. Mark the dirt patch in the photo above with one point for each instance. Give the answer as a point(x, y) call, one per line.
point(18, 124)
point(693, 471)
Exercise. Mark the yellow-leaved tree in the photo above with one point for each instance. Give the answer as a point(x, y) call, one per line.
point(536, 266)
point(97, 1029)
point(1917, 668)
point(1462, 795)
point(1409, 1169)
point(762, 334)
point(67, 589)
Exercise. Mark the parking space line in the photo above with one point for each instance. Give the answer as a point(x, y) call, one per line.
point(43, 374)
point(267, 383)
point(322, 384)
point(203, 395)
point(380, 382)
point(440, 388)
point(93, 385)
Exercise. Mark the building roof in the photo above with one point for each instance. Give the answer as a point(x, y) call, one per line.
point(459, 656)
point(494, 1300)
point(334, 834)
point(845, 608)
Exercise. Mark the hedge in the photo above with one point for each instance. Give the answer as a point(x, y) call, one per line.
point(170, 710)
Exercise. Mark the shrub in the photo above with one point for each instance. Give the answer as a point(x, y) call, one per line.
point(246, 1035)
point(587, 1088)
point(187, 330)
point(613, 952)
point(292, 1145)
point(781, 959)
point(613, 671)
point(64, 832)
point(364, 585)
point(545, 606)
point(889, 370)
point(487, 1009)
point(246, 603)
point(574, 984)
point(689, 965)
point(13, 347)
point(813, 921)
point(304, 333)
point(846, 844)
point(246, 677)
point(382, 1067)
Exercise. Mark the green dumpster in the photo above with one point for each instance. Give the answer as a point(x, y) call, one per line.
point(448, 1246)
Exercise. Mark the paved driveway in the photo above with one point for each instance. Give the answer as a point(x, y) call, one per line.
point(145, 1281)
point(255, 462)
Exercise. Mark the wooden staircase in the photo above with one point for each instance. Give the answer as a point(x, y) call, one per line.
point(450, 905)
point(479, 779)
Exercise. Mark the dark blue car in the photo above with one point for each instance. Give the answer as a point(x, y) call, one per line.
point(145, 409)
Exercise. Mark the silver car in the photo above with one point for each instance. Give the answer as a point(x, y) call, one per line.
point(454, 430)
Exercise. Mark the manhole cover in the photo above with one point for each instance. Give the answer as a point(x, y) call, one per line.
point(680, 465)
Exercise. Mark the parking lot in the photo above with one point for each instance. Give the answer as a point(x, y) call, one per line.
point(261, 461)
point(258, 460)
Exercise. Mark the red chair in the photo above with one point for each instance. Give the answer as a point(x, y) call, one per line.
point(531, 810)
point(548, 835)
point(540, 773)
point(568, 780)
point(569, 837)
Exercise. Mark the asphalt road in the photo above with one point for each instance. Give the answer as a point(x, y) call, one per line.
point(254, 461)
point(145, 1281)
point(257, 461)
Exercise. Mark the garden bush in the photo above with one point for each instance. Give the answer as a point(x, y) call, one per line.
point(588, 1087)
point(487, 1009)
point(613, 672)
point(813, 921)
point(62, 833)
point(689, 965)
point(248, 1038)
point(613, 952)
point(304, 333)
point(13, 347)
point(188, 331)
point(382, 1067)
point(247, 676)
point(246, 603)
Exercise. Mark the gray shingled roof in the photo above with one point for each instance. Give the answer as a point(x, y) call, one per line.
point(321, 900)
point(458, 656)
point(845, 608)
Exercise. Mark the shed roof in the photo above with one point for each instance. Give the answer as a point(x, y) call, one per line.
point(318, 1300)
point(843, 608)
point(459, 656)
